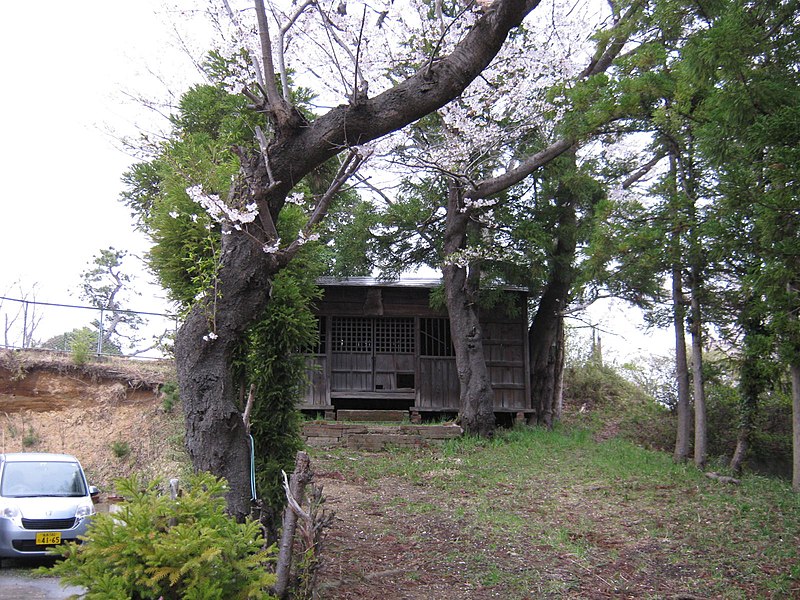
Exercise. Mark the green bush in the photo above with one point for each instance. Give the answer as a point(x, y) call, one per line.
point(170, 396)
point(156, 548)
point(120, 449)
point(598, 397)
point(771, 440)
point(31, 438)
point(82, 346)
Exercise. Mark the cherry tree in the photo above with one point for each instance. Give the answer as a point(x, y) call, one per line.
point(506, 126)
point(290, 145)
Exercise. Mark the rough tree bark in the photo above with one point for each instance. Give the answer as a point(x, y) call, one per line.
point(558, 376)
point(684, 430)
point(543, 335)
point(696, 267)
point(215, 437)
point(215, 430)
point(461, 287)
point(476, 394)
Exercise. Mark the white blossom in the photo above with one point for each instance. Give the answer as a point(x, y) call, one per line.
point(302, 239)
point(272, 248)
point(174, 214)
point(478, 204)
point(210, 337)
point(219, 211)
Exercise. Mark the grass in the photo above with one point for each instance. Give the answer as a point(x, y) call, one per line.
point(555, 513)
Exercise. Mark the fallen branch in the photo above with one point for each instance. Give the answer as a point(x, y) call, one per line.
point(723, 478)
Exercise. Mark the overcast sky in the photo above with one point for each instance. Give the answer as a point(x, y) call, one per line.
point(68, 69)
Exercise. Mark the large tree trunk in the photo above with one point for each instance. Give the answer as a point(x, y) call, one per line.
point(461, 286)
point(475, 387)
point(215, 432)
point(561, 353)
point(543, 335)
point(696, 262)
point(543, 341)
point(684, 430)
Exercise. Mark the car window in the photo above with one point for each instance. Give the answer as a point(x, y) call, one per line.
point(25, 479)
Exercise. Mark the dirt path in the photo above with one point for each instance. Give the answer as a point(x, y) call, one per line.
point(390, 540)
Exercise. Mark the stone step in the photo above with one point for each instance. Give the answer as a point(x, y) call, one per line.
point(372, 415)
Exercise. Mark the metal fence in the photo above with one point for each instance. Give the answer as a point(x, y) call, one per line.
point(32, 324)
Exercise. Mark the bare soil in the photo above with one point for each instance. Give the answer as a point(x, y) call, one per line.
point(110, 415)
point(377, 550)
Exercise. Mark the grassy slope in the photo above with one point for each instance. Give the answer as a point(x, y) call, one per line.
point(558, 514)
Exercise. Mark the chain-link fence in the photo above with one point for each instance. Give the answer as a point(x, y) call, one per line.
point(63, 327)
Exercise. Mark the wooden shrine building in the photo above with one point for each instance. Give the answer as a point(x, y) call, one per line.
point(382, 347)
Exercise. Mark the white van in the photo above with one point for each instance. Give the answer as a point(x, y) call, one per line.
point(44, 501)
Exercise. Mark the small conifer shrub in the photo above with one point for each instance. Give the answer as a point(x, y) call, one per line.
point(156, 547)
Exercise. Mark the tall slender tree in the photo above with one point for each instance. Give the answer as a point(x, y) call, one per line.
point(747, 129)
point(483, 151)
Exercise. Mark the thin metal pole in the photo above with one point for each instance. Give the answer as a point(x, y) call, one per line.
point(100, 335)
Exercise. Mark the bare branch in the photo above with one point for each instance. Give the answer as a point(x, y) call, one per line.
point(248, 408)
point(643, 170)
point(298, 510)
point(271, 89)
point(294, 494)
point(598, 64)
point(262, 143)
point(488, 187)
point(619, 36)
point(440, 41)
point(348, 168)
point(331, 31)
point(282, 31)
point(365, 181)
point(359, 89)
point(243, 38)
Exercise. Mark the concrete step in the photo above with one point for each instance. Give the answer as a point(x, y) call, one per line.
point(372, 415)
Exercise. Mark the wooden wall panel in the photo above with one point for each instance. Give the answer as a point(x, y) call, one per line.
point(438, 386)
point(351, 372)
point(317, 390)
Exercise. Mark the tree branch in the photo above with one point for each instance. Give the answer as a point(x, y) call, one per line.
point(495, 185)
point(598, 64)
point(279, 108)
point(350, 165)
point(282, 31)
point(618, 38)
point(643, 170)
point(243, 37)
point(248, 408)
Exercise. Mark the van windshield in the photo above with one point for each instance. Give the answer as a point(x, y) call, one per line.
point(29, 479)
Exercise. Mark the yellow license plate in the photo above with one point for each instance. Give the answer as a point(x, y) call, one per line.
point(48, 538)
